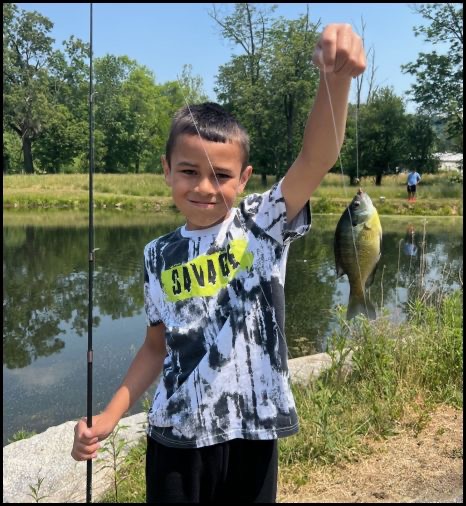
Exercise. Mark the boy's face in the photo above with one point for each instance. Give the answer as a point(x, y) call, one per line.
point(203, 198)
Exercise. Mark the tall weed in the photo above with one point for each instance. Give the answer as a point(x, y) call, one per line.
point(396, 368)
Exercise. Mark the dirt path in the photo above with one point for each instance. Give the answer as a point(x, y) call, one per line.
point(427, 467)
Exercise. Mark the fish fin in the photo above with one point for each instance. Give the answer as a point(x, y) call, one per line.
point(370, 278)
point(337, 253)
point(357, 305)
point(373, 222)
point(340, 270)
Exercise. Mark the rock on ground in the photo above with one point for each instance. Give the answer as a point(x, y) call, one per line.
point(48, 456)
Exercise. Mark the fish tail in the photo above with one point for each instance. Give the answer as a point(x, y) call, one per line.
point(358, 305)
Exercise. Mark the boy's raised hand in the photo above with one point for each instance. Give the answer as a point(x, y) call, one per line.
point(339, 51)
point(86, 439)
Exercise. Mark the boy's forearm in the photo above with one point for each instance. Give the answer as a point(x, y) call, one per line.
point(321, 146)
point(143, 371)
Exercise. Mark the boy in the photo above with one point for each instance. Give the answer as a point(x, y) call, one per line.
point(214, 300)
point(412, 182)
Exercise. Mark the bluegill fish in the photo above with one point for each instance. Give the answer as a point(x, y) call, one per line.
point(357, 246)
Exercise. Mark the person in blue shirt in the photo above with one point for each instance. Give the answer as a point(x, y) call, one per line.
point(413, 180)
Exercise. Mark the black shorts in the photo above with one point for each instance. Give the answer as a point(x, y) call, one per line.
point(236, 471)
point(412, 188)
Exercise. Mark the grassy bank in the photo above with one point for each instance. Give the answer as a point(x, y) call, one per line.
point(437, 194)
point(400, 373)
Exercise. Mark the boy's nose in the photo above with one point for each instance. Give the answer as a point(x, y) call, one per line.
point(206, 185)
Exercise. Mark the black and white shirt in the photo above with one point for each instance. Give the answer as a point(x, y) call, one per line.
point(220, 294)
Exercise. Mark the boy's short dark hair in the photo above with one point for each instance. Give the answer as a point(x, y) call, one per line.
point(214, 123)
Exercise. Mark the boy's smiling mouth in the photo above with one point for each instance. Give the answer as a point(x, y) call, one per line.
point(201, 203)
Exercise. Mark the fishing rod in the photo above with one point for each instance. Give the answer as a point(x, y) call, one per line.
point(91, 261)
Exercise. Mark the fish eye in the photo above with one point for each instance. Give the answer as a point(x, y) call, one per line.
point(356, 204)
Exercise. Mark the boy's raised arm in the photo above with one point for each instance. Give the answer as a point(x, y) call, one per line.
point(340, 54)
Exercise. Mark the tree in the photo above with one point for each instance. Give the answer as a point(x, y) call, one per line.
point(191, 86)
point(382, 134)
point(350, 152)
point(420, 143)
point(26, 50)
point(271, 86)
point(65, 138)
point(111, 72)
point(439, 77)
point(133, 113)
point(291, 85)
point(240, 83)
point(44, 93)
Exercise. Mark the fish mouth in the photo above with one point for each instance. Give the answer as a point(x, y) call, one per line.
point(356, 201)
point(358, 197)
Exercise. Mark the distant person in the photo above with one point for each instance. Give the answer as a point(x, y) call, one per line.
point(413, 181)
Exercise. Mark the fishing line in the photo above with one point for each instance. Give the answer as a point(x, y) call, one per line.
point(229, 210)
point(357, 142)
point(344, 184)
point(241, 224)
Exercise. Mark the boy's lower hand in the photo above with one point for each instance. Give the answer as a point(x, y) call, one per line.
point(339, 51)
point(86, 439)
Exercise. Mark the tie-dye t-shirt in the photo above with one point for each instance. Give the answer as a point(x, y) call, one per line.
point(220, 294)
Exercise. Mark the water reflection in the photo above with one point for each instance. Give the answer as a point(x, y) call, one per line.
point(410, 242)
point(45, 302)
point(45, 281)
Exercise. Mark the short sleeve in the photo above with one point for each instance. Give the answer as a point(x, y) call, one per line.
point(267, 211)
point(152, 314)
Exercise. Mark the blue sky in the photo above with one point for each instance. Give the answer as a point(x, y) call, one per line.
point(165, 36)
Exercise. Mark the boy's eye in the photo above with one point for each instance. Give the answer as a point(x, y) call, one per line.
point(188, 172)
point(223, 176)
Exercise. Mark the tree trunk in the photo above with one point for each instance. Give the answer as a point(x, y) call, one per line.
point(27, 153)
point(378, 179)
point(6, 160)
point(264, 180)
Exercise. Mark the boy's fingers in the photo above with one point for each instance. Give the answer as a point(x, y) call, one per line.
point(84, 451)
point(343, 48)
point(84, 433)
point(358, 64)
point(340, 51)
point(324, 54)
point(83, 455)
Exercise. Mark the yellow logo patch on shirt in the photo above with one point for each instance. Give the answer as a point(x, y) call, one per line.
point(205, 275)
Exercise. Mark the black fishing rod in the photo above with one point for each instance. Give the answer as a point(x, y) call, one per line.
point(91, 260)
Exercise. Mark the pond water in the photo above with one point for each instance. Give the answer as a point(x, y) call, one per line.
point(45, 299)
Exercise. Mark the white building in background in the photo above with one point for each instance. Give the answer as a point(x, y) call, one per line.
point(450, 161)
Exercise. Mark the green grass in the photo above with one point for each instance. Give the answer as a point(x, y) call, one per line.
point(21, 434)
point(437, 195)
point(400, 372)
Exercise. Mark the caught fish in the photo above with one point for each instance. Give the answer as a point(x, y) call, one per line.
point(357, 246)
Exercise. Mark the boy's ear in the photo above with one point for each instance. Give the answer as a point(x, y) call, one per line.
point(244, 178)
point(166, 170)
